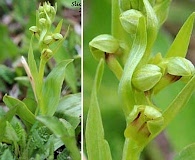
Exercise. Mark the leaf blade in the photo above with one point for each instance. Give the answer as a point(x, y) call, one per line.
point(52, 88)
point(23, 112)
point(97, 146)
point(183, 37)
point(70, 107)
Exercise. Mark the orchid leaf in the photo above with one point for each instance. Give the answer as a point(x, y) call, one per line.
point(179, 46)
point(97, 146)
point(52, 88)
point(7, 117)
point(23, 112)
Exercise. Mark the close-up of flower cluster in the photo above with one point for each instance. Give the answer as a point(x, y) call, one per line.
point(141, 73)
point(42, 31)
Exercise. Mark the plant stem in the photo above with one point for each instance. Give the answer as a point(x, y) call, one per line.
point(131, 150)
point(70, 143)
point(40, 84)
point(41, 71)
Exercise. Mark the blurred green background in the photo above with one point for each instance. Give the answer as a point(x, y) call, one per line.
point(181, 131)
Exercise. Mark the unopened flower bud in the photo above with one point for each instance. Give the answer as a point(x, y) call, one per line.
point(42, 15)
point(46, 54)
point(41, 9)
point(130, 19)
point(146, 77)
point(34, 29)
point(53, 11)
point(47, 8)
point(57, 36)
point(180, 66)
point(42, 21)
point(48, 39)
point(103, 44)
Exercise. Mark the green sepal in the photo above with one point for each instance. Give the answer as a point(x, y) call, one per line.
point(179, 66)
point(103, 44)
point(179, 46)
point(143, 121)
point(146, 77)
point(130, 19)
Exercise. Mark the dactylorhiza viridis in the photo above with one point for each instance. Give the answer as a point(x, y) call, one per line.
point(49, 41)
point(128, 54)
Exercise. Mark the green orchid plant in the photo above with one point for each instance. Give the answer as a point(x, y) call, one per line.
point(45, 120)
point(127, 53)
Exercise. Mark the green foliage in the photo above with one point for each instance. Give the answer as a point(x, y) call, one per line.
point(22, 111)
point(69, 108)
point(53, 82)
point(97, 146)
point(65, 131)
point(183, 37)
point(142, 28)
point(22, 136)
point(11, 48)
point(186, 153)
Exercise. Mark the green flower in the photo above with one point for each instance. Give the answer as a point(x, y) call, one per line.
point(146, 77)
point(143, 121)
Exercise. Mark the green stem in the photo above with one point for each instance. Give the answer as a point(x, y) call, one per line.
point(40, 84)
point(114, 66)
point(131, 150)
point(41, 71)
point(70, 143)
